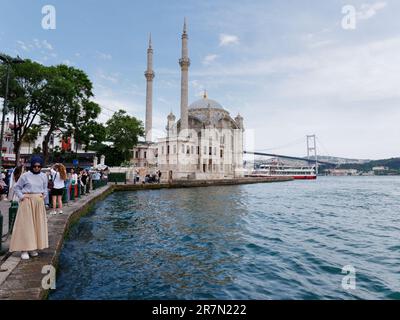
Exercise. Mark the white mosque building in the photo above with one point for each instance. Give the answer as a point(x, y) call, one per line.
point(205, 143)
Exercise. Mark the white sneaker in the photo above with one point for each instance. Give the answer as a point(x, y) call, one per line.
point(33, 253)
point(59, 211)
point(24, 255)
point(53, 212)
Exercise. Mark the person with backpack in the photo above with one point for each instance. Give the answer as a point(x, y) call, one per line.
point(58, 176)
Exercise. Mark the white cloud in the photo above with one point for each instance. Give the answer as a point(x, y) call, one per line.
point(23, 46)
point(227, 39)
point(367, 11)
point(104, 56)
point(35, 44)
point(67, 62)
point(354, 72)
point(210, 58)
point(110, 77)
point(198, 88)
point(44, 44)
point(47, 45)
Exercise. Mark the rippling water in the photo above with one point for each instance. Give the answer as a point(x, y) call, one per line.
point(263, 241)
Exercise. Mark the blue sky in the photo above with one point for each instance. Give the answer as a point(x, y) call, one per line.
point(287, 66)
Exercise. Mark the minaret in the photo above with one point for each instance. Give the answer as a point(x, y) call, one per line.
point(184, 62)
point(149, 74)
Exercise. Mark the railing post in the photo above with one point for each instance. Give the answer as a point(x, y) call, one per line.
point(79, 189)
point(1, 230)
point(65, 195)
point(12, 214)
point(72, 192)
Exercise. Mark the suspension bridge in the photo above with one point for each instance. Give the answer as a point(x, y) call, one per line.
point(312, 155)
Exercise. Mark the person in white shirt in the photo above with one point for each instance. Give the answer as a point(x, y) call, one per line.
point(74, 181)
point(58, 175)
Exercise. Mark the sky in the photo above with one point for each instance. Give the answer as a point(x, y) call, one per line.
point(287, 66)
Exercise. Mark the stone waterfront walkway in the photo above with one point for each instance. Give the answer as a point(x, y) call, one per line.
point(21, 279)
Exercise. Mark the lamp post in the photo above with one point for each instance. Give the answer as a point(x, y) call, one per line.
point(9, 61)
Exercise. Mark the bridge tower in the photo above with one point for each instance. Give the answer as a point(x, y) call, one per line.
point(312, 149)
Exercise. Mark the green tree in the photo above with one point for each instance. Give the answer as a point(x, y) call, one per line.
point(66, 104)
point(82, 125)
point(91, 134)
point(123, 131)
point(27, 82)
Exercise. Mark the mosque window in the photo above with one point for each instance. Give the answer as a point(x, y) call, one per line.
point(145, 154)
point(210, 151)
point(162, 150)
point(187, 150)
point(192, 150)
point(198, 150)
point(167, 149)
point(205, 150)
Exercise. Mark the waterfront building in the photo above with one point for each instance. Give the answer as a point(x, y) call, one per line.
point(205, 143)
point(342, 172)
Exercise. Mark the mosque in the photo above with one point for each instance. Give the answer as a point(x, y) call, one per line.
point(205, 143)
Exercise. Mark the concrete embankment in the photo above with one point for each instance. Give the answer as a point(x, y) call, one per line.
point(23, 279)
point(200, 183)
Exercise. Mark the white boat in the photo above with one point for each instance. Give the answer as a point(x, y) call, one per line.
point(280, 170)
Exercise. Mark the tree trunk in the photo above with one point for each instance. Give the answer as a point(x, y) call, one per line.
point(17, 151)
point(45, 145)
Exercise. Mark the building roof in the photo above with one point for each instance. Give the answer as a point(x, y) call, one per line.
point(205, 103)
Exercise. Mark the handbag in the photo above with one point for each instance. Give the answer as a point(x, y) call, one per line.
point(50, 184)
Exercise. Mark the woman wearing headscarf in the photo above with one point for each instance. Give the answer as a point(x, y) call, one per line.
point(30, 230)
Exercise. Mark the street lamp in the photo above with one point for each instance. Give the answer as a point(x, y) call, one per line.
point(9, 61)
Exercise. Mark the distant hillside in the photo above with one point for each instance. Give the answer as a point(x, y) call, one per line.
point(334, 160)
point(338, 160)
point(392, 164)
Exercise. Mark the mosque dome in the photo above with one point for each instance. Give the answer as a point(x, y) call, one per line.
point(205, 103)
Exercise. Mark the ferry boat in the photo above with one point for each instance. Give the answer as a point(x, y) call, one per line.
point(279, 170)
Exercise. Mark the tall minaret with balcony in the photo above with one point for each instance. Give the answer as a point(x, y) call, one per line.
point(149, 74)
point(184, 62)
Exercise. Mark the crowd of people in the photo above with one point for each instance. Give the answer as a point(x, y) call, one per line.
point(36, 188)
point(154, 177)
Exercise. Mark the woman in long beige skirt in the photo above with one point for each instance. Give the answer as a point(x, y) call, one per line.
point(30, 229)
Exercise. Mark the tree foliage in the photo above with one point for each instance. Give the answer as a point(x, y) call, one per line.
point(123, 131)
point(26, 85)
